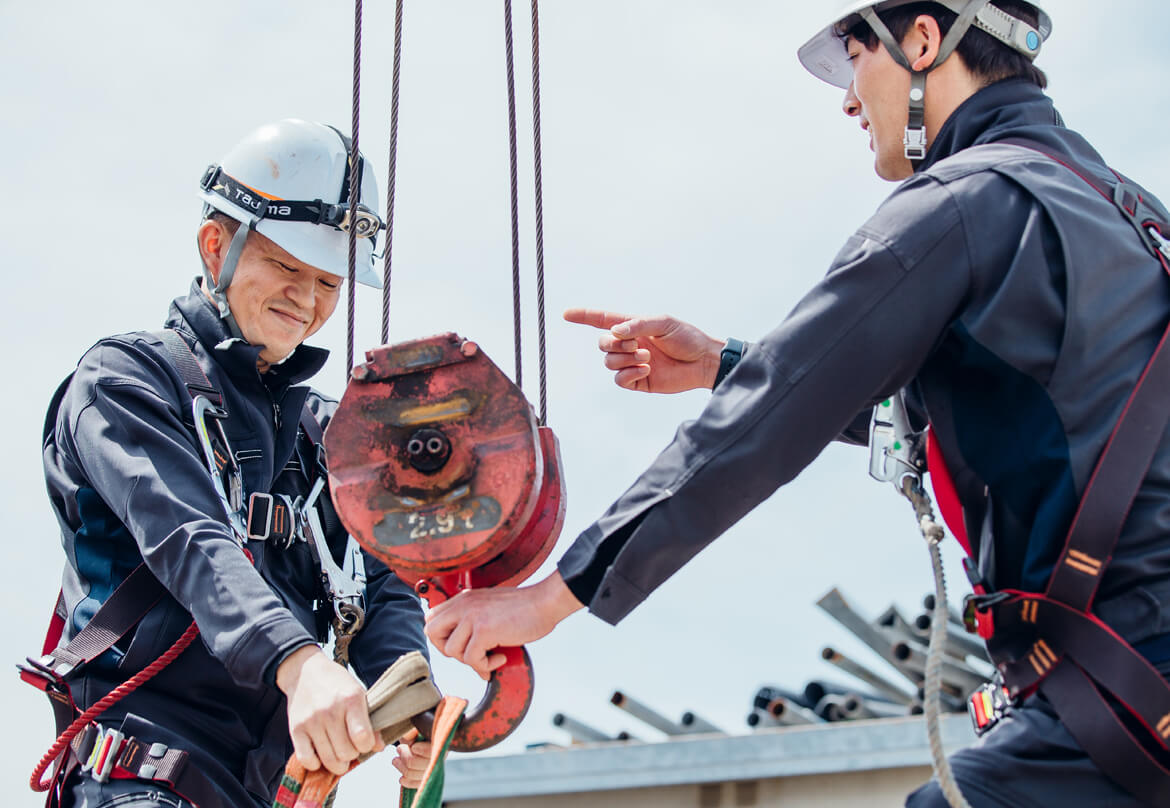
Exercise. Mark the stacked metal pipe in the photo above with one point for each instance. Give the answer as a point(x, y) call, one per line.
point(900, 643)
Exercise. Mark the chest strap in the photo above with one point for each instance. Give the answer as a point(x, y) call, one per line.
point(1051, 641)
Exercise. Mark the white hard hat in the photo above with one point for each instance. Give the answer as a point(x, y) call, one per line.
point(825, 57)
point(289, 181)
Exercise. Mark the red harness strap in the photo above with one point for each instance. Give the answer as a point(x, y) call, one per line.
point(1052, 641)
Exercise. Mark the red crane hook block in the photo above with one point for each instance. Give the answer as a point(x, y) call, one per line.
point(438, 467)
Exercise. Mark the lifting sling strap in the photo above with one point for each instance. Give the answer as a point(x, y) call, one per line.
point(1051, 642)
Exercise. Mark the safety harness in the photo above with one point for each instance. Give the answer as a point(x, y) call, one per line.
point(105, 752)
point(1107, 694)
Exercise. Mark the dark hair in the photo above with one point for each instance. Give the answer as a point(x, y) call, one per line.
point(984, 55)
point(229, 224)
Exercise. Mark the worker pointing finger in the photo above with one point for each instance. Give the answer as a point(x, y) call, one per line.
point(659, 354)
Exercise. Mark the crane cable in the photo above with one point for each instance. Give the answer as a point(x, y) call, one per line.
point(387, 256)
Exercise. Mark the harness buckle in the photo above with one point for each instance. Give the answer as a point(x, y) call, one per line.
point(1163, 244)
point(977, 615)
point(988, 705)
point(914, 142)
point(105, 754)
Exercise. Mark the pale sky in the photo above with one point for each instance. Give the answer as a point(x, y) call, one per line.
point(691, 166)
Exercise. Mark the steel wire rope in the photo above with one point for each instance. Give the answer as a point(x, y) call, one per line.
point(392, 178)
point(355, 184)
point(536, 150)
point(512, 163)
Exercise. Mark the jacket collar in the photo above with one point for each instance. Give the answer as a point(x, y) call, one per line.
point(197, 315)
point(1009, 108)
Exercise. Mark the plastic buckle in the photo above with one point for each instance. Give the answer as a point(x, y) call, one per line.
point(49, 667)
point(209, 177)
point(261, 507)
point(1160, 240)
point(914, 142)
point(105, 754)
point(987, 706)
point(976, 614)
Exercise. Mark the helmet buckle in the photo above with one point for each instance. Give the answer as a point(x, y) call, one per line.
point(914, 142)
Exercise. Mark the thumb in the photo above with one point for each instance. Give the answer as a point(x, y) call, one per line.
point(659, 326)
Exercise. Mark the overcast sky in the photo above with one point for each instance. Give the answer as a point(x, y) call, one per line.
point(691, 166)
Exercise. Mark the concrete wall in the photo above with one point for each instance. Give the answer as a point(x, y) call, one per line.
point(883, 788)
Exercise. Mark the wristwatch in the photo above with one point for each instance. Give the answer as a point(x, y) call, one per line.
point(728, 358)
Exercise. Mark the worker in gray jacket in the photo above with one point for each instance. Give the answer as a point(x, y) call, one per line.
point(1036, 279)
point(224, 526)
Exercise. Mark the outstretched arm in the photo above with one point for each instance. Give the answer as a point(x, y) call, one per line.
point(658, 354)
point(476, 621)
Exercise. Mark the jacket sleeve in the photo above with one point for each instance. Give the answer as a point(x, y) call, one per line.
point(859, 335)
point(394, 623)
point(121, 423)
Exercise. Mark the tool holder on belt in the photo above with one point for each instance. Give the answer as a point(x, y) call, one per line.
point(438, 468)
point(1051, 641)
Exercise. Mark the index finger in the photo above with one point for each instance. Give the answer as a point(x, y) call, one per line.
point(595, 317)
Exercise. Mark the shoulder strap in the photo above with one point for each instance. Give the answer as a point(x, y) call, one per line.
point(188, 367)
point(1127, 455)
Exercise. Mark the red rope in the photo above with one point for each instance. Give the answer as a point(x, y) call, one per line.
point(110, 699)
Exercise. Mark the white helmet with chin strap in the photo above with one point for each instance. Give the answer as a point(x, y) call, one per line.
point(289, 181)
point(824, 55)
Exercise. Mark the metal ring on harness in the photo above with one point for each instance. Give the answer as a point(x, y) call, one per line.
point(484, 508)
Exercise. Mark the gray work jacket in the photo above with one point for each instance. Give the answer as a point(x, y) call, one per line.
point(129, 485)
point(1018, 306)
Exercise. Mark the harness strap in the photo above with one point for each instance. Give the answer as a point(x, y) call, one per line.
point(1051, 641)
point(129, 603)
point(188, 367)
point(1098, 729)
point(108, 754)
point(1056, 631)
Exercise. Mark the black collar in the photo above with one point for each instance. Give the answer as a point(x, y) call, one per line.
point(195, 314)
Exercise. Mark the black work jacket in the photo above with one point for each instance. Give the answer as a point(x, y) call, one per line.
point(1020, 308)
point(129, 485)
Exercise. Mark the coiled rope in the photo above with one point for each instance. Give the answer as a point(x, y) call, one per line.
point(106, 702)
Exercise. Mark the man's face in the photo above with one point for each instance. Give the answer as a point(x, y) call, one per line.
point(878, 97)
point(277, 300)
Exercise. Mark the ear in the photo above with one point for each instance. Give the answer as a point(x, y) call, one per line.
point(922, 42)
point(212, 240)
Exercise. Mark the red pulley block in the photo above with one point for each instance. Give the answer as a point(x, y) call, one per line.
point(437, 467)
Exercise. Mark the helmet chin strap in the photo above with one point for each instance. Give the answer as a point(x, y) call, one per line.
point(227, 270)
point(914, 139)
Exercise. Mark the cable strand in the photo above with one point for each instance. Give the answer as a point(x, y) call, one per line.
point(542, 346)
point(391, 182)
point(355, 184)
point(511, 79)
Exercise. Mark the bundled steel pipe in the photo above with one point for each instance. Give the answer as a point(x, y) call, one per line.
point(956, 676)
point(767, 694)
point(858, 707)
point(578, 731)
point(694, 723)
point(787, 712)
point(834, 604)
point(959, 643)
point(647, 715)
point(856, 669)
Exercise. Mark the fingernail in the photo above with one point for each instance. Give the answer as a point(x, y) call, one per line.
point(620, 330)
